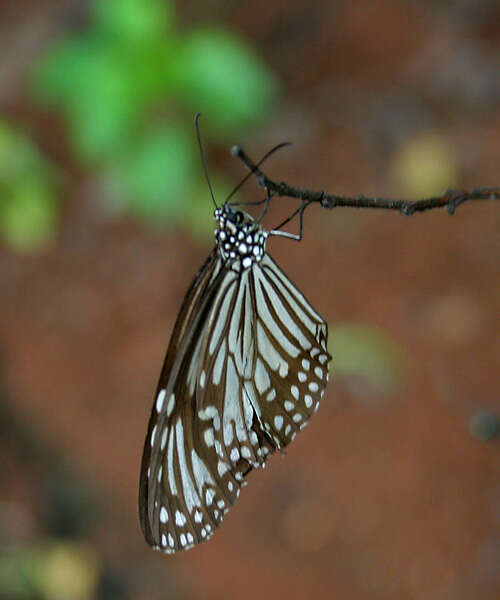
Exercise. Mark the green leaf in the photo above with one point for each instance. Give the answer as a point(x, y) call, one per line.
point(366, 352)
point(103, 88)
point(156, 175)
point(19, 569)
point(19, 157)
point(133, 20)
point(29, 216)
point(57, 77)
point(103, 113)
point(217, 73)
point(28, 208)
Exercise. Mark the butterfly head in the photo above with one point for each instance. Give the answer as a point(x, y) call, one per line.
point(239, 237)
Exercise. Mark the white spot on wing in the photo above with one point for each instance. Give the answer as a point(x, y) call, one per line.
point(222, 467)
point(245, 452)
point(283, 370)
point(271, 395)
point(261, 377)
point(170, 405)
point(180, 519)
point(228, 433)
point(208, 435)
point(160, 400)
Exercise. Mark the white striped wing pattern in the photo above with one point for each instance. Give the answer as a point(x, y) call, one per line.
point(246, 368)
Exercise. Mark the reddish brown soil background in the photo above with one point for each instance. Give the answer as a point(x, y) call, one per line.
point(384, 497)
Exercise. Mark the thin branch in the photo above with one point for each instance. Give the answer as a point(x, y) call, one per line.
point(451, 199)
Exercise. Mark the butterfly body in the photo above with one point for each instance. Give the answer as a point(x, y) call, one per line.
point(245, 369)
point(240, 239)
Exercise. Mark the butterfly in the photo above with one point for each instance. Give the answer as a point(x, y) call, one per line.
point(246, 367)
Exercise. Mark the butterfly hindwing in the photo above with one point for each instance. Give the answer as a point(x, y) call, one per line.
point(291, 369)
point(265, 368)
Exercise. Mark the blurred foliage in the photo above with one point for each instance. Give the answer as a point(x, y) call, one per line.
point(367, 353)
point(47, 547)
point(51, 571)
point(128, 86)
point(425, 165)
point(28, 206)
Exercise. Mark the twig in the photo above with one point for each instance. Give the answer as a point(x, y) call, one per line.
point(451, 198)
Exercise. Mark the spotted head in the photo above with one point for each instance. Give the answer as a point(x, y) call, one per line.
point(239, 237)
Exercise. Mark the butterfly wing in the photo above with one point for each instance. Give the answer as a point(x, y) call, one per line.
point(161, 476)
point(245, 369)
point(292, 361)
point(265, 369)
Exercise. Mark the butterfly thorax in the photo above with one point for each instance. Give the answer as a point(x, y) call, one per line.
point(239, 238)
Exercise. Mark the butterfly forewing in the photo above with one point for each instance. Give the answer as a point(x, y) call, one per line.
point(172, 406)
point(245, 370)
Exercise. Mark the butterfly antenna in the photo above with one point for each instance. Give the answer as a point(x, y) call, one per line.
point(202, 154)
point(248, 175)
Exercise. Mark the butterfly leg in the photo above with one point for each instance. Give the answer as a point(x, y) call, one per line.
point(266, 206)
point(287, 234)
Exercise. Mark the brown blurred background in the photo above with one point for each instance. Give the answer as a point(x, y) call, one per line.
point(393, 490)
